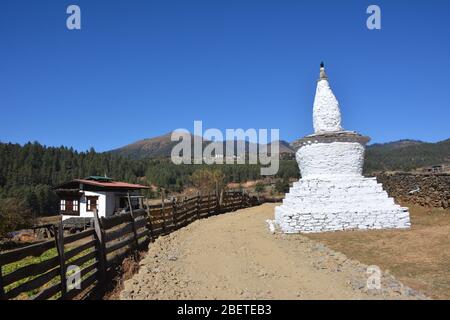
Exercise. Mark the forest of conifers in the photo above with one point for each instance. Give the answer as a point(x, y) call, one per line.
point(29, 172)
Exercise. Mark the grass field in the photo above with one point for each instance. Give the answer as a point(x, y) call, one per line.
point(419, 257)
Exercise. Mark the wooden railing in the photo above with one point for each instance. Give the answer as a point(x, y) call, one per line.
point(72, 267)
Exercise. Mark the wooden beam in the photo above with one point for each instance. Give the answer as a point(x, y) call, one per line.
point(86, 258)
point(30, 270)
point(174, 213)
point(117, 233)
point(133, 223)
point(59, 242)
point(2, 289)
point(48, 292)
point(101, 247)
point(198, 204)
point(163, 192)
point(34, 250)
point(33, 283)
point(120, 244)
point(108, 223)
point(150, 224)
point(77, 250)
point(78, 236)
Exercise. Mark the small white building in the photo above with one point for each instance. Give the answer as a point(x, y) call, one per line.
point(79, 197)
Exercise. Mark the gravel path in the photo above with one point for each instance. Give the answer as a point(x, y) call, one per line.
point(234, 256)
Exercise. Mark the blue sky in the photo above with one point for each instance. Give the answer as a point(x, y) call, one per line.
point(139, 69)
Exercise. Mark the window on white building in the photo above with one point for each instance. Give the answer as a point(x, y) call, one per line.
point(75, 205)
point(92, 203)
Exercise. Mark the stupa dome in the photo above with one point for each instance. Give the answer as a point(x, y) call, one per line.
point(326, 112)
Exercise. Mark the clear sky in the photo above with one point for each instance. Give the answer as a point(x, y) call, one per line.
point(139, 69)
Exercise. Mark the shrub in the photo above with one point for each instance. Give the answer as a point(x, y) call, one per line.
point(208, 180)
point(282, 186)
point(260, 187)
point(14, 215)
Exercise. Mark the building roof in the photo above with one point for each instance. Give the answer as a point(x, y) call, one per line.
point(112, 184)
point(103, 183)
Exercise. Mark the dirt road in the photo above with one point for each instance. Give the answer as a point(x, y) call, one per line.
point(234, 256)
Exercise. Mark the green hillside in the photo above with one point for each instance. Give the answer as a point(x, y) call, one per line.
point(406, 155)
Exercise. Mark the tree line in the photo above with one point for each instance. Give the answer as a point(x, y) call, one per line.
point(391, 156)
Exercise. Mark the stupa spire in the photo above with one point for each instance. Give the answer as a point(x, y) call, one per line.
point(326, 112)
point(323, 75)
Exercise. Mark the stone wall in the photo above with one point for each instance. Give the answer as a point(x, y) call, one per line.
point(432, 190)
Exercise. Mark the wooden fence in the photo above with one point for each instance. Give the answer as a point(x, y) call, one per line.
point(72, 267)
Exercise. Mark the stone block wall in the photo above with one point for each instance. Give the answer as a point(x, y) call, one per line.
point(339, 203)
point(431, 190)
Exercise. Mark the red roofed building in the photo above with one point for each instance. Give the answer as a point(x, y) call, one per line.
point(79, 197)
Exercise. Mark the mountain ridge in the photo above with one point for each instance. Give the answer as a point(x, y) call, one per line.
point(403, 154)
point(157, 146)
point(161, 147)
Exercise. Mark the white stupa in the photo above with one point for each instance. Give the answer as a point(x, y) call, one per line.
point(332, 194)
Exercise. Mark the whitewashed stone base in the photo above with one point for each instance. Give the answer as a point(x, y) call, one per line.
point(339, 203)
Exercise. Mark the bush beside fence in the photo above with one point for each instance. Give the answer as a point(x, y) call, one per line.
point(96, 251)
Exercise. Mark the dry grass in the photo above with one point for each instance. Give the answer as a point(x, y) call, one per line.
point(419, 257)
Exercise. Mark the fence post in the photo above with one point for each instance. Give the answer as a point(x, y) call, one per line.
point(130, 204)
point(149, 218)
point(133, 223)
point(217, 209)
point(133, 226)
point(174, 213)
point(163, 191)
point(2, 289)
point(222, 194)
point(101, 246)
point(59, 242)
point(209, 203)
point(198, 204)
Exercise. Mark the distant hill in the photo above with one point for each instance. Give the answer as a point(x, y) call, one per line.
point(158, 147)
point(286, 147)
point(396, 144)
point(406, 155)
point(161, 147)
